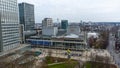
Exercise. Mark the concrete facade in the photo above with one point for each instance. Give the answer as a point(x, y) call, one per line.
point(73, 30)
point(47, 22)
point(50, 31)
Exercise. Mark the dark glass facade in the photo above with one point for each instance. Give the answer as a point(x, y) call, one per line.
point(64, 24)
point(26, 15)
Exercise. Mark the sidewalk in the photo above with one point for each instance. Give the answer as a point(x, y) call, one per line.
point(55, 63)
point(13, 50)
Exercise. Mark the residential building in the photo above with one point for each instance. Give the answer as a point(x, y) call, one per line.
point(9, 25)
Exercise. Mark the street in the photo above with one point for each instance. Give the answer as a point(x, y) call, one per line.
point(111, 49)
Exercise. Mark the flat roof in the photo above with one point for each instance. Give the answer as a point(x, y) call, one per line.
point(72, 36)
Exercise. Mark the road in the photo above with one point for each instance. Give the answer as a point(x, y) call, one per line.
point(111, 49)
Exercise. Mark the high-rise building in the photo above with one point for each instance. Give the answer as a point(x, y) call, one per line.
point(64, 24)
point(9, 25)
point(26, 15)
point(47, 22)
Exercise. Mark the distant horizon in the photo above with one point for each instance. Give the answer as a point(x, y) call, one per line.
point(85, 22)
point(76, 10)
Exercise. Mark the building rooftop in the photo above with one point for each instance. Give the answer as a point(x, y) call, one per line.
point(72, 36)
point(29, 32)
point(61, 32)
point(90, 34)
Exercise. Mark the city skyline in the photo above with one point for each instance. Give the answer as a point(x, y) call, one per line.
point(76, 10)
point(49, 33)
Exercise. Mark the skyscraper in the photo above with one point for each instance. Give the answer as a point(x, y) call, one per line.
point(64, 24)
point(26, 15)
point(9, 25)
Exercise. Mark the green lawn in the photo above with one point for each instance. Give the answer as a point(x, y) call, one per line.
point(88, 65)
point(50, 60)
point(98, 65)
point(94, 65)
point(70, 64)
point(58, 66)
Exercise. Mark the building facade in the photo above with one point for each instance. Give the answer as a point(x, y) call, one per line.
point(50, 31)
point(47, 22)
point(26, 15)
point(73, 30)
point(64, 24)
point(9, 25)
point(63, 43)
point(118, 34)
point(22, 36)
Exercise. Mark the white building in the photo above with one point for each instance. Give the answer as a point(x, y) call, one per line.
point(72, 36)
point(50, 31)
point(92, 34)
point(73, 30)
point(47, 22)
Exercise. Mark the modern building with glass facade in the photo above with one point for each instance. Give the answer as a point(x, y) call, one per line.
point(72, 42)
point(26, 15)
point(64, 24)
point(9, 25)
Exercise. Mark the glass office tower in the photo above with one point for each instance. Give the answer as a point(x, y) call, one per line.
point(26, 15)
point(9, 25)
point(64, 24)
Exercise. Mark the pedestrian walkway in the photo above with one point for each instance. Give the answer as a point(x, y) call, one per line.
point(56, 63)
point(13, 50)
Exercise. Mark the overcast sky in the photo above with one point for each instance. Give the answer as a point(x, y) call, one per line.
point(76, 10)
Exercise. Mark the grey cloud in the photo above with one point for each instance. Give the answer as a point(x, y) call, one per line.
point(76, 10)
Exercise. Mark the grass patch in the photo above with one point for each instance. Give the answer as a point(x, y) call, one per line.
point(50, 60)
point(58, 66)
point(99, 65)
point(68, 64)
point(88, 65)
